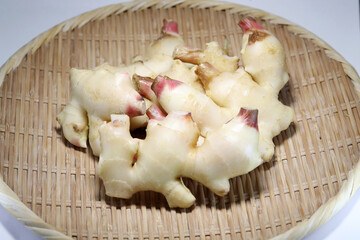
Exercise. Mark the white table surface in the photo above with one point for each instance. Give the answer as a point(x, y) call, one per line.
point(335, 21)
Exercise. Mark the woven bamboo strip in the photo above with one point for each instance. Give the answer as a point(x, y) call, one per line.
point(21, 212)
point(307, 165)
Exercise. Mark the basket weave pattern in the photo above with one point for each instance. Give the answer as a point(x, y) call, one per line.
point(59, 182)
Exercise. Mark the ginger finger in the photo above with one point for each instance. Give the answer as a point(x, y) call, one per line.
point(158, 57)
point(169, 152)
point(235, 90)
point(102, 91)
point(229, 151)
point(166, 144)
point(73, 120)
point(178, 71)
point(168, 41)
point(263, 56)
point(174, 95)
point(97, 93)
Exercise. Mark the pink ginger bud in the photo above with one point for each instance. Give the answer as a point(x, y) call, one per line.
point(136, 106)
point(170, 27)
point(249, 116)
point(154, 112)
point(143, 85)
point(133, 111)
point(162, 82)
point(145, 89)
point(249, 23)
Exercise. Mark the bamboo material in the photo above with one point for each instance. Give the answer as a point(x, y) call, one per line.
point(313, 174)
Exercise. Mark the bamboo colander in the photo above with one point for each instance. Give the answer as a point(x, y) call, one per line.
point(314, 172)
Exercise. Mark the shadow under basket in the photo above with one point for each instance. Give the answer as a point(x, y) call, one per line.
point(313, 173)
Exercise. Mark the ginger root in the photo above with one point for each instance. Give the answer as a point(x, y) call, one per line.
point(169, 152)
point(227, 91)
point(237, 89)
point(192, 99)
point(106, 90)
point(263, 56)
point(96, 94)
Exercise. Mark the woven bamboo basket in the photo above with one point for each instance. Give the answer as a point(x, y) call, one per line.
point(314, 172)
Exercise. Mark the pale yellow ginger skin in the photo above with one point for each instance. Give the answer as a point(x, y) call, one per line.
point(225, 95)
point(210, 145)
point(242, 91)
point(169, 152)
point(204, 111)
point(157, 60)
point(265, 61)
point(80, 118)
point(212, 54)
point(74, 122)
point(95, 95)
point(183, 73)
point(178, 70)
point(160, 158)
point(136, 67)
point(227, 152)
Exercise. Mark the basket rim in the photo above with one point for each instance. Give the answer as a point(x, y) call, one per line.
point(10, 201)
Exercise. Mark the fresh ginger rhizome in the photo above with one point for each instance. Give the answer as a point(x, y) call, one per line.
point(206, 117)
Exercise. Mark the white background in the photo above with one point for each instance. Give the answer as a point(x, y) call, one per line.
point(335, 21)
